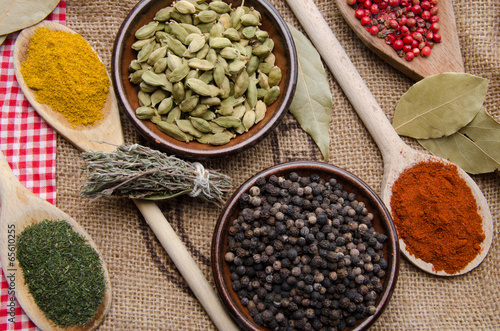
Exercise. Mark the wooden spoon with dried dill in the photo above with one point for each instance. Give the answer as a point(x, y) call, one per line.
point(51, 263)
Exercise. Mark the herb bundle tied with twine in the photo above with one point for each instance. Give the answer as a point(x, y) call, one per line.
point(139, 172)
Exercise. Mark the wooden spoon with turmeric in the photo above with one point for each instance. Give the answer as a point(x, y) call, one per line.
point(109, 131)
point(20, 209)
point(396, 154)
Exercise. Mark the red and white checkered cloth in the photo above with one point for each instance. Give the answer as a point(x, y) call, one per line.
point(29, 146)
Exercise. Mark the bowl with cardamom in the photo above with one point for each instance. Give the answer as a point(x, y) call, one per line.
point(305, 245)
point(204, 79)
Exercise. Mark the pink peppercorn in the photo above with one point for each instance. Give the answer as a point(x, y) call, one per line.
point(426, 51)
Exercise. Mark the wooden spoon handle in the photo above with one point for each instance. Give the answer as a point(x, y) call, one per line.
point(186, 265)
point(347, 76)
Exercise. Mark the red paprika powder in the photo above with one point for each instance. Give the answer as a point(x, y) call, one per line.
point(436, 215)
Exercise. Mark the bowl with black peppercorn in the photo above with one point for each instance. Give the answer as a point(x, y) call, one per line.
point(204, 79)
point(305, 245)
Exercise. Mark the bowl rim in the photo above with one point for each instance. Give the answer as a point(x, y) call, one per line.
point(214, 152)
point(224, 220)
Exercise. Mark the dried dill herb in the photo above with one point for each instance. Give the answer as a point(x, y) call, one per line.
point(62, 271)
point(139, 172)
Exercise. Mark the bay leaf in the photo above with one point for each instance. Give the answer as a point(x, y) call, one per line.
point(439, 105)
point(19, 14)
point(312, 103)
point(475, 148)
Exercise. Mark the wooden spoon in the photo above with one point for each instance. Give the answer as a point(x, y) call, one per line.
point(396, 154)
point(20, 209)
point(445, 56)
point(110, 131)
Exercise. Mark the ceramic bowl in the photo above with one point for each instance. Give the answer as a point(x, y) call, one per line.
point(286, 59)
point(382, 222)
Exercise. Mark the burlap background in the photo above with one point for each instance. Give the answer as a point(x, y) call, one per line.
point(149, 293)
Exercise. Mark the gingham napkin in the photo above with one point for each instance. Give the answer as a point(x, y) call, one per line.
point(29, 146)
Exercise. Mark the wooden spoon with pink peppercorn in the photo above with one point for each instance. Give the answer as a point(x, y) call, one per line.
point(445, 56)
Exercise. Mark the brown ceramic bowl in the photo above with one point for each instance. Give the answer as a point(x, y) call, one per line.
point(382, 223)
point(286, 59)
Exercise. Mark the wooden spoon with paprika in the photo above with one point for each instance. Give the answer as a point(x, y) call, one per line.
point(396, 154)
point(445, 56)
point(19, 209)
point(110, 132)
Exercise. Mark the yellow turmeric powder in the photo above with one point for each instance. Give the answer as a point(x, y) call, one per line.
point(67, 75)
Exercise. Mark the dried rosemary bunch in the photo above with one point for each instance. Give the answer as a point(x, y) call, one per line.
point(139, 172)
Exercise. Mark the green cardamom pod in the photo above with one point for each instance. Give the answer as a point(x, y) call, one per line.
point(139, 44)
point(181, 18)
point(263, 81)
point(207, 76)
point(236, 17)
point(160, 66)
point(216, 30)
point(199, 110)
point(219, 7)
point(251, 92)
point(219, 139)
point(261, 51)
point(261, 35)
point(197, 43)
point(225, 20)
point(173, 131)
point(200, 64)
point(209, 101)
point(240, 129)
point(190, 28)
point(156, 55)
point(261, 93)
point(161, 36)
point(136, 77)
point(265, 67)
point(236, 66)
point(215, 128)
point(200, 124)
point(249, 32)
point(249, 20)
point(143, 86)
point(207, 16)
point(219, 42)
point(200, 87)
point(146, 31)
point(187, 127)
point(203, 52)
point(205, 27)
point(270, 58)
point(274, 76)
point(205, 138)
point(152, 79)
point(173, 61)
point(178, 92)
point(185, 7)
point(163, 14)
point(173, 115)
point(239, 111)
point(219, 74)
point(165, 106)
point(188, 104)
point(225, 89)
point(260, 111)
point(229, 53)
point(176, 46)
point(242, 49)
point(272, 95)
point(144, 53)
point(269, 43)
point(158, 96)
point(248, 119)
point(209, 115)
point(179, 73)
point(227, 121)
point(178, 31)
point(144, 98)
point(211, 56)
point(225, 109)
point(232, 34)
point(134, 66)
point(252, 64)
point(241, 84)
point(144, 112)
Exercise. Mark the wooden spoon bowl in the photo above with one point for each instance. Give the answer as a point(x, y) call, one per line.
point(445, 56)
point(108, 129)
point(396, 154)
point(19, 209)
